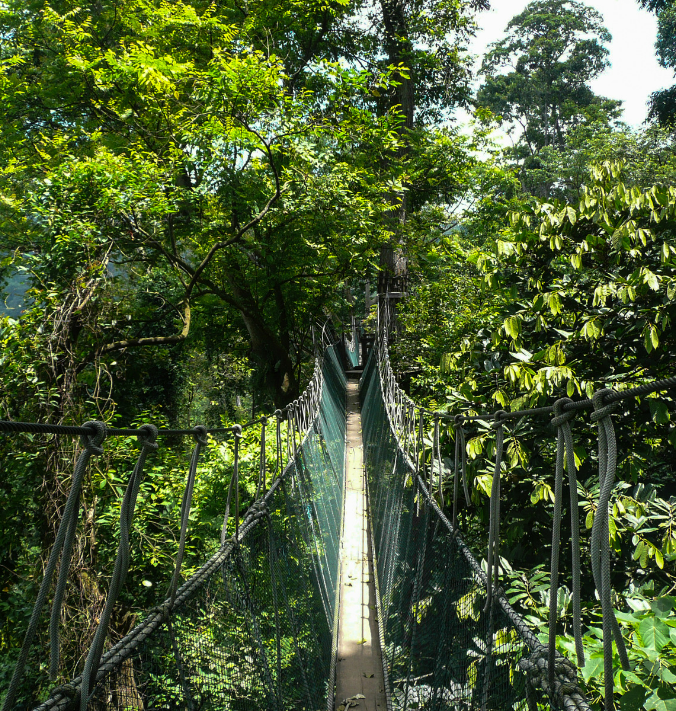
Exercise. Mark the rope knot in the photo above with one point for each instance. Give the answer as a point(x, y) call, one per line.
point(65, 690)
point(499, 418)
point(535, 662)
point(147, 434)
point(601, 410)
point(260, 509)
point(93, 442)
point(559, 415)
point(200, 435)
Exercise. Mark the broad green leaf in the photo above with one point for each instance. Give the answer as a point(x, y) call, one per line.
point(513, 326)
point(662, 606)
point(593, 668)
point(651, 280)
point(633, 699)
point(659, 411)
point(661, 700)
point(654, 633)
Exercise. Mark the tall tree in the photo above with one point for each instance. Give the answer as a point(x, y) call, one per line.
point(663, 102)
point(423, 42)
point(538, 75)
point(158, 139)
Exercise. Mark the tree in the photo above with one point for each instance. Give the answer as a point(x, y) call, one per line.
point(663, 103)
point(537, 77)
point(160, 141)
point(422, 42)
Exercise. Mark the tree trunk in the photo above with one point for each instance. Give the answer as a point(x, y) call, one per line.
point(273, 360)
point(398, 48)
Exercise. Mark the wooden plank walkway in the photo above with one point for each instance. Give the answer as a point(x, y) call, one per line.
point(359, 671)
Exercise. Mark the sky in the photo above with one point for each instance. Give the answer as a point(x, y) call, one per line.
point(634, 72)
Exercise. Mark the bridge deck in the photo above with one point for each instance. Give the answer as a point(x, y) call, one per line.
point(359, 669)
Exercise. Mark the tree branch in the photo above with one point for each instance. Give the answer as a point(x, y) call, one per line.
point(151, 340)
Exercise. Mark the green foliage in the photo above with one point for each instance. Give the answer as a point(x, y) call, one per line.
point(537, 79)
point(566, 298)
point(663, 102)
point(155, 534)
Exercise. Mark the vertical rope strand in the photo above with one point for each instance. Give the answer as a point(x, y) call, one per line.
point(600, 544)
point(147, 436)
point(92, 446)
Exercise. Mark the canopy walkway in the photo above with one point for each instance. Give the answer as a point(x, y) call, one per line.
point(272, 620)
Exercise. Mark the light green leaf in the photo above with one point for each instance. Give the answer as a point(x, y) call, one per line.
point(659, 411)
point(661, 700)
point(593, 668)
point(651, 280)
point(662, 606)
point(513, 326)
point(654, 633)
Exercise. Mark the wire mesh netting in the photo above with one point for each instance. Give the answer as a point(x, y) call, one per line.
point(441, 648)
point(254, 627)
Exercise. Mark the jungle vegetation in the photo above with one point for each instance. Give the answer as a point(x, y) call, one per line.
point(188, 188)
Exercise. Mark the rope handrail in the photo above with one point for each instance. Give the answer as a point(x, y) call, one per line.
point(612, 396)
point(302, 414)
point(11, 426)
point(402, 412)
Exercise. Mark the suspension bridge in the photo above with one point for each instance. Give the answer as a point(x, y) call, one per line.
point(347, 583)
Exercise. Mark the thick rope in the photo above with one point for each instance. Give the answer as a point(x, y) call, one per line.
point(147, 436)
point(260, 487)
point(562, 422)
point(460, 458)
point(436, 457)
point(62, 546)
point(494, 521)
point(600, 544)
point(278, 437)
point(231, 488)
point(186, 503)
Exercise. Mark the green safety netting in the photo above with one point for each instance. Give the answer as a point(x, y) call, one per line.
point(352, 351)
point(255, 627)
point(441, 648)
